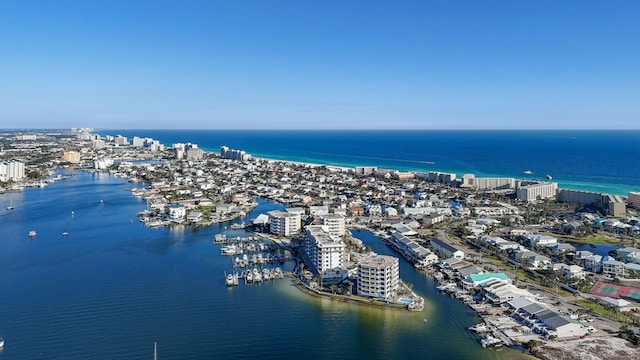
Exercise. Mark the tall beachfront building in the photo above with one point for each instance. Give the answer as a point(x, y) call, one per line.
point(634, 199)
point(232, 154)
point(325, 251)
point(11, 170)
point(378, 276)
point(283, 223)
point(537, 191)
point(470, 181)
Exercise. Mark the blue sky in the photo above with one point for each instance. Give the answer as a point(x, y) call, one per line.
point(320, 64)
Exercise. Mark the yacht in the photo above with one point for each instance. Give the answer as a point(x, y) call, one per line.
point(32, 233)
point(229, 280)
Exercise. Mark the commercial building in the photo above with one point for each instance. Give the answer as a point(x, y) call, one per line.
point(325, 251)
point(378, 277)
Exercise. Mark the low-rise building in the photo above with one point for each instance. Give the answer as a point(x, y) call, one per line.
point(446, 250)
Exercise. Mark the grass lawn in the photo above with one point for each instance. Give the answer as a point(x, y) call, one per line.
point(596, 239)
point(606, 312)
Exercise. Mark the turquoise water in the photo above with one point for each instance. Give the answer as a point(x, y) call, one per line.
point(603, 161)
point(113, 287)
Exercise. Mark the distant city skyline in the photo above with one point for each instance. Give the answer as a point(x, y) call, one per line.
point(320, 65)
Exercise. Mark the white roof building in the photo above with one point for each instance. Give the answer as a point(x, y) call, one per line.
point(378, 276)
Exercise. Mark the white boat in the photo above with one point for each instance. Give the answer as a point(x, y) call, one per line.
point(65, 234)
point(1, 342)
point(257, 276)
point(231, 249)
point(10, 207)
point(229, 280)
point(490, 341)
point(479, 328)
point(32, 233)
point(237, 226)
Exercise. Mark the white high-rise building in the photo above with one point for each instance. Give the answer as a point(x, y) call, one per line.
point(11, 170)
point(138, 141)
point(325, 251)
point(335, 223)
point(283, 223)
point(378, 276)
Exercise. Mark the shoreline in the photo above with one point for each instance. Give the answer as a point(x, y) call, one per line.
point(346, 298)
point(425, 166)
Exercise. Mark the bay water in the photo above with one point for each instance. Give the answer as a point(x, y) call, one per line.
point(112, 287)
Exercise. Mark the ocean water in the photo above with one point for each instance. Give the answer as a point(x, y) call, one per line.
point(602, 161)
point(113, 287)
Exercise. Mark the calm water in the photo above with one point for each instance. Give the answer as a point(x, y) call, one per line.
point(603, 161)
point(113, 287)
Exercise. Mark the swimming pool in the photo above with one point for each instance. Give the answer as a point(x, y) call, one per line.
point(405, 301)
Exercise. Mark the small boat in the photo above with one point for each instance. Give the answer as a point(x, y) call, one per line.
point(528, 172)
point(65, 234)
point(549, 177)
point(1, 342)
point(237, 226)
point(229, 281)
point(479, 328)
point(32, 233)
point(10, 207)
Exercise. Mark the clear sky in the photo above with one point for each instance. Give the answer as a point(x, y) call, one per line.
point(243, 64)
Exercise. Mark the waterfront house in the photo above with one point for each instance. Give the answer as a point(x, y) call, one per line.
point(626, 251)
point(194, 216)
point(612, 267)
point(536, 239)
point(177, 212)
point(593, 263)
point(633, 257)
point(581, 255)
point(562, 248)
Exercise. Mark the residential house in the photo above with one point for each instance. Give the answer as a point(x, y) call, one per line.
point(612, 267)
point(593, 263)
